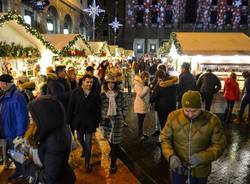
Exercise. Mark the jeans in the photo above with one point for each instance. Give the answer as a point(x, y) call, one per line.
point(228, 111)
point(140, 123)
point(180, 179)
point(115, 148)
point(157, 122)
point(208, 98)
point(86, 141)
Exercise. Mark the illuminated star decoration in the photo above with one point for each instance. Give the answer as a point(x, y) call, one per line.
point(94, 10)
point(115, 24)
point(237, 3)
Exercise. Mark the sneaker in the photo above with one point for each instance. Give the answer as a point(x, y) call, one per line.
point(143, 138)
point(156, 133)
point(15, 176)
point(125, 124)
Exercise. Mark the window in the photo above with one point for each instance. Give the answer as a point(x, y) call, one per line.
point(244, 2)
point(28, 17)
point(52, 20)
point(139, 17)
point(228, 18)
point(67, 24)
point(152, 48)
point(154, 2)
point(243, 18)
point(1, 6)
point(140, 2)
point(105, 33)
point(168, 17)
point(213, 17)
point(139, 48)
point(154, 16)
point(214, 2)
point(169, 2)
point(230, 2)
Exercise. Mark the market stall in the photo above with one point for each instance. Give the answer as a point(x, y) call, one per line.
point(129, 53)
point(101, 51)
point(22, 48)
point(220, 52)
point(73, 49)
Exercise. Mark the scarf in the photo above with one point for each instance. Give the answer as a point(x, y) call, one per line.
point(112, 105)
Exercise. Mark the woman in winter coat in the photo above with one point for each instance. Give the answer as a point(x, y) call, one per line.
point(53, 141)
point(231, 94)
point(113, 112)
point(141, 103)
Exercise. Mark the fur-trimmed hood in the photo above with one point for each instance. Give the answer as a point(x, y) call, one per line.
point(52, 76)
point(138, 80)
point(28, 85)
point(168, 82)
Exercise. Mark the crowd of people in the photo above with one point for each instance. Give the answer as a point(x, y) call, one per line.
point(66, 106)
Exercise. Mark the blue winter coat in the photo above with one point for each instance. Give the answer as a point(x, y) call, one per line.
point(14, 113)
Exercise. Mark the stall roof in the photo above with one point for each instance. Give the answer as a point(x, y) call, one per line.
point(99, 47)
point(129, 53)
point(211, 43)
point(14, 29)
point(61, 41)
point(112, 49)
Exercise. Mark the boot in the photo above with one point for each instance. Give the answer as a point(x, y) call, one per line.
point(113, 169)
point(88, 167)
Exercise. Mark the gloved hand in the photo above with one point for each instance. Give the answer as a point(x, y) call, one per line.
point(195, 160)
point(174, 162)
point(17, 141)
point(17, 156)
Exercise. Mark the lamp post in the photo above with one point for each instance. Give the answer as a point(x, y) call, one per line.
point(94, 11)
point(115, 25)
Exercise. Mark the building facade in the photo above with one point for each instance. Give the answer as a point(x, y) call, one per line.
point(149, 22)
point(58, 16)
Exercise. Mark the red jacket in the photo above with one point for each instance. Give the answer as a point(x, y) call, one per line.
point(231, 89)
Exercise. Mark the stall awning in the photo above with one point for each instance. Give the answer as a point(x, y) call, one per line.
point(100, 48)
point(211, 43)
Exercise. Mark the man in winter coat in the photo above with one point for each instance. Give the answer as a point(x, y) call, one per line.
point(191, 140)
point(96, 84)
point(186, 81)
point(58, 86)
point(84, 114)
point(208, 84)
point(14, 114)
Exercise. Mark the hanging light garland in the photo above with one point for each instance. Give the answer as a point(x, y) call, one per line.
point(13, 16)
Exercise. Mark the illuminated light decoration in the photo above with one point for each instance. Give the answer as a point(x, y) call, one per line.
point(94, 11)
point(115, 25)
point(27, 19)
point(50, 26)
point(65, 31)
point(37, 4)
point(13, 16)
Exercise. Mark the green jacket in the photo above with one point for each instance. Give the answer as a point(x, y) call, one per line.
point(207, 139)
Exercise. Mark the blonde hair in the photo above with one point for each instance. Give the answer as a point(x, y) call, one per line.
point(144, 74)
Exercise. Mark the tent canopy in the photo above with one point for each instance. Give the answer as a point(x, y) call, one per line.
point(61, 41)
point(112, 49)
point(15, 30)
point(191, 43)
point(100, 48)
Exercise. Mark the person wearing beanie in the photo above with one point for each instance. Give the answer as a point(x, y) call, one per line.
point(14, 116)
point(52, 140)
point(26, 87)
point(191, 139)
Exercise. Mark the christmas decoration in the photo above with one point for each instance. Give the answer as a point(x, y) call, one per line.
point(115, 24)
point(18, 51)
point(94, 11)
point(69, 50)
point(13, 16)
point(37, 4)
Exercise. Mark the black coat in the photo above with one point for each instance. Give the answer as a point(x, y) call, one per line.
point(53, 138)
point(186, 82)
point(58, 88)
point(208, 83)
point(164, 94)
point(84, 113)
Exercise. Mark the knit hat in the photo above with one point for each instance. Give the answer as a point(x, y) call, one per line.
point(6, 78)
point(90, 68)
point(191, 99)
